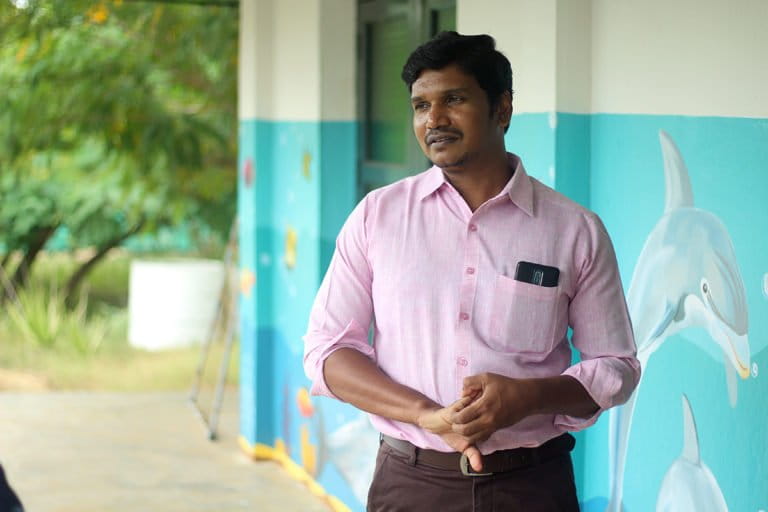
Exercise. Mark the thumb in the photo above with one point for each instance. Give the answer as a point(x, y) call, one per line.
point(460, 404)
point(472, 385)
point(475, 458)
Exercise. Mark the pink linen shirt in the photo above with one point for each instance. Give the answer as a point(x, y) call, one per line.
point(436, 280)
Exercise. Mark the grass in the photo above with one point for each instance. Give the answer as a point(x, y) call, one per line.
point(45, 346)
point(118, 370)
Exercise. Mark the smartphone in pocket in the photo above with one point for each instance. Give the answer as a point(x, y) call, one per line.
point(535, 273)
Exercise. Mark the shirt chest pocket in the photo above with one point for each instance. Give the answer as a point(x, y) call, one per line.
point(524, 317)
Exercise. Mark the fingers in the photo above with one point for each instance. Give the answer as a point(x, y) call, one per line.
point(469, 413)
point(475, 458)
point(460, 404)
point(472, 394)
point(473, 381)
point(475, 431)
point(479, 381)
point(462, 445)
point(474, 422)
point(441, 421)
point(472, 385)
point(458, 443)
point(448, 410)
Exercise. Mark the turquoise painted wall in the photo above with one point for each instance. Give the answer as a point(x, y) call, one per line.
point(302, 181)
point(727, 160)
point(613, 164)
point(555, 148)
point(296, 187)
point(532, 137)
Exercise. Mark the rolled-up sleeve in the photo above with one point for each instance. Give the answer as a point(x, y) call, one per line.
point(602, 331)
point(342, 311)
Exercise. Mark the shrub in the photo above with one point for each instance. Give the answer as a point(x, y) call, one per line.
point(40, 317)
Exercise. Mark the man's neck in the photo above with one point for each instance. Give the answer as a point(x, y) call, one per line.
point(480, 181)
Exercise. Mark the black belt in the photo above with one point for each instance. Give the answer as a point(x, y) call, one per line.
point(497, 462)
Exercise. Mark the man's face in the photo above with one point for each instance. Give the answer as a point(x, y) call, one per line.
point(452, 119)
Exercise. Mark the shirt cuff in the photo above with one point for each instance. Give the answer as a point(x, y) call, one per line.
point(600, 390)
point(350, 337)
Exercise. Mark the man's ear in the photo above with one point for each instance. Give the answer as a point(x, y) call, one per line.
point(504, 109)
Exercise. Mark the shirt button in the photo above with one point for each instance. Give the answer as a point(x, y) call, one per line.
point(462, 361)
point(473, 227)
point(464, 316)
point(470, 270)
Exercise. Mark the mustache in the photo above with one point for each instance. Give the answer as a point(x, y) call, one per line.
point(435, 134)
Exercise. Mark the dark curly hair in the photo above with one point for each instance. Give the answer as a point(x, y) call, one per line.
point(474, 55)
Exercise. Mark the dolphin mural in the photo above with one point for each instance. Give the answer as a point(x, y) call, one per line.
point(689, 485)
point(351, 448)
point(765, 284)
point(686, 276)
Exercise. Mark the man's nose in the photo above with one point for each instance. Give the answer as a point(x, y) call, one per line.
point(437, 117)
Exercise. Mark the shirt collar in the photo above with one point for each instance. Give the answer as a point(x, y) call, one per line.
point(433, 179)
point(518, 188)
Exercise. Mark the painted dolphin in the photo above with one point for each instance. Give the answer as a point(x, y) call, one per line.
point(352, 449)
point(686, 276)
point(689, 485)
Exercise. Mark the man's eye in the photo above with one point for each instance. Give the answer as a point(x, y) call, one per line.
point(454, 99)
point(420, 106)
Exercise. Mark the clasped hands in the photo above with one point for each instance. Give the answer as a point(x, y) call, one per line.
point(488, 403)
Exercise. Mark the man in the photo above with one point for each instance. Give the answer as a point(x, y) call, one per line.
point(472, 273)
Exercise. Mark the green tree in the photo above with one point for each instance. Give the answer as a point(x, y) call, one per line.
point(115, 118)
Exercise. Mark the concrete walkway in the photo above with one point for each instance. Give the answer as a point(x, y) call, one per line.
point(115, 452)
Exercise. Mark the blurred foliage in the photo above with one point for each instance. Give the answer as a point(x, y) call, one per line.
point(107, 286)
point(115, 118)
point(39, 321)
point(39, 316)
point(90, 349)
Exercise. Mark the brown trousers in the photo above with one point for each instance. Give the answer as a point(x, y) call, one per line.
point(400, 486)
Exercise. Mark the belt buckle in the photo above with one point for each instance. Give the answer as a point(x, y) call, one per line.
point(466, 468)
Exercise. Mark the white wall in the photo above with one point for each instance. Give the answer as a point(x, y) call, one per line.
point(255, 58)
point(617, 56)
point(297, 60)
point(525, 32)
point(296, 71)
point(684, 57)
point(689, 57)
point(338, 60)
point(573, 67)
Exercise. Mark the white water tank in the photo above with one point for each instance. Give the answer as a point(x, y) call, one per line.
point(172, 303)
